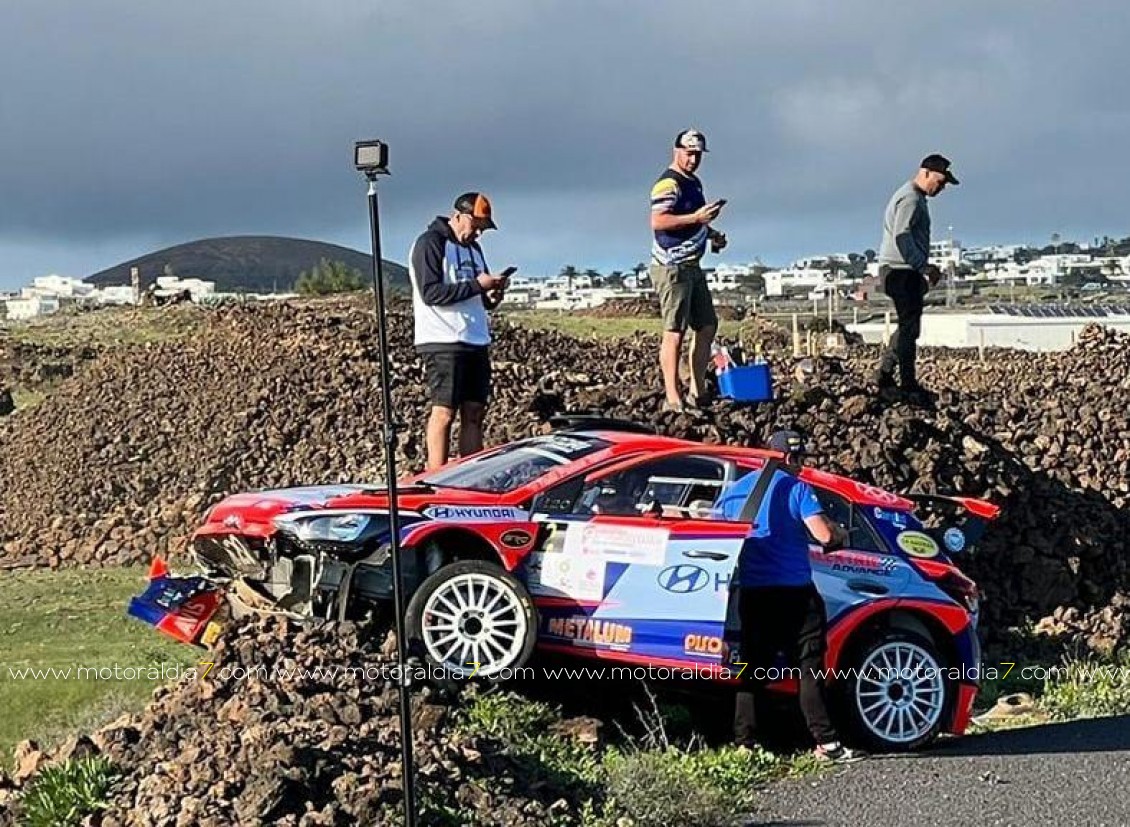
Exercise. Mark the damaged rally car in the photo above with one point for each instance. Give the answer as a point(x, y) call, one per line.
point(602, 540)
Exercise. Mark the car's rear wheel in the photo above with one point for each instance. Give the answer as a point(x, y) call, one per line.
point(897, 695)
point(472, 618)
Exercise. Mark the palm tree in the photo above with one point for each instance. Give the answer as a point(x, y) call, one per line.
point(569, 272)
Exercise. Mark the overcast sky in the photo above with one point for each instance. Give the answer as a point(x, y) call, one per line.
point(131, 125)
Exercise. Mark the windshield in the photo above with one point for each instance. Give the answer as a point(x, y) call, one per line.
point(516, 465)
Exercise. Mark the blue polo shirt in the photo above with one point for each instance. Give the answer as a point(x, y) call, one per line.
point(775, 552)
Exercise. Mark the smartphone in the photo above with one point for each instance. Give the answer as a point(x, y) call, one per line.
point(508, 272)
point(721, 202)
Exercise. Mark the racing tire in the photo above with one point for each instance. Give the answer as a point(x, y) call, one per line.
point(472, 619)
point(897, 697)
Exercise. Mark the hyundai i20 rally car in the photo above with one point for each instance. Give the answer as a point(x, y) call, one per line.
point(602, 540)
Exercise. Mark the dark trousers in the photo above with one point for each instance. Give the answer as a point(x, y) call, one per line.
point(906, 289)
point(789, 620)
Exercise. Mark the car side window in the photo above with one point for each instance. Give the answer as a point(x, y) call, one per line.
point(684, 486)
point(838, 509)
point(561, 498)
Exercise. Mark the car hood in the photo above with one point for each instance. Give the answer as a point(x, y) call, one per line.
point(261, 507)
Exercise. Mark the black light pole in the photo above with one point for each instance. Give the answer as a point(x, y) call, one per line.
point(371, 159)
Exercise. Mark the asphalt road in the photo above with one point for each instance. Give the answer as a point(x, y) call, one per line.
point(1075, 773)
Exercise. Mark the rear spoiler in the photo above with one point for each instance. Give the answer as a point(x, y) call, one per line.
point(978, 515)
point(978, 508)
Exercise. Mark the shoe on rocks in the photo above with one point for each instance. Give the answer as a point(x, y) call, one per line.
point(915, 394)
point(836, 753)
point(883, 381)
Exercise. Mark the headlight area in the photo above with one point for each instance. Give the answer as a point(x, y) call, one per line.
point(349, 536)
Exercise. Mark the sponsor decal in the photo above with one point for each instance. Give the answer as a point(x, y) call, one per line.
point(954, 538)
point(474, 513)
point(897, 518)
point(703, 645)
point(876, 494)
point(575, 576)
point(683, 579)
point(917, 544)
point(515, 538)
point(618, 543)
point(587, 630)
point(852, 562)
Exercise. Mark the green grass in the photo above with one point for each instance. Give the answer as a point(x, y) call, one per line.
point(1088, 689)
point(584, 327)
point(62, 795)
point(658, 780)
point(67, 619)
point(29, 397)
point(112, 327)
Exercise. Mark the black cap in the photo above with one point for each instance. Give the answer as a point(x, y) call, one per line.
point(476, 205)
point(691, 139)
point(939, 163)
point(787, 442)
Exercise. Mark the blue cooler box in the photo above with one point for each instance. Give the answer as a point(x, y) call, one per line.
point(747, 383)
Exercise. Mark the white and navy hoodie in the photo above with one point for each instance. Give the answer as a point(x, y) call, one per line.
point(447, 300)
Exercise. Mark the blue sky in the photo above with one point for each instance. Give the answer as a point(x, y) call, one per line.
point(127, 126)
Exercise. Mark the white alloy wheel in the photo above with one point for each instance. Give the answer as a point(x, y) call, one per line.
point(900, 693)
point(473, 618)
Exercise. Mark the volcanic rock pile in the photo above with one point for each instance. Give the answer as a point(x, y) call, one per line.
point(300, 727)
point(122, 460)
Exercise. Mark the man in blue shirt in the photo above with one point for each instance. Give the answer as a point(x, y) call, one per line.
point(780, 609)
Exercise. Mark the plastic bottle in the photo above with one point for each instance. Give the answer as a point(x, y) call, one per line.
point(721, 357)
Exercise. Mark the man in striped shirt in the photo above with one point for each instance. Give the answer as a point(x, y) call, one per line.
point(680, 221)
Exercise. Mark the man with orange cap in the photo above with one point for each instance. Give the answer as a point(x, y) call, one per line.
point(452, 290)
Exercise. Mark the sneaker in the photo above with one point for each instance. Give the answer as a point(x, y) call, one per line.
point(917, 395)
point(836, 753)
point(883, 381)
point(701, 403)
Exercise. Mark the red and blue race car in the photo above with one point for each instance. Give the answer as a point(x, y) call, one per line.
point(606, 541)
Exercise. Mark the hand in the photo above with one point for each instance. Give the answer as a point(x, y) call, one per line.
point(718, 242)
point(489, 282)
point(838, 539)
point(932, 273)
point(707, 213)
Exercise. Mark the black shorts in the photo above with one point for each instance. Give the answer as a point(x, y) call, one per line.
point(457, 376)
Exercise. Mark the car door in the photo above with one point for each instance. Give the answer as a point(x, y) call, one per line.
point(691, 593)
point(607, 576)
point(860, 572)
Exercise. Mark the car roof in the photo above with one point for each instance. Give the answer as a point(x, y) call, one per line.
point(854, 491)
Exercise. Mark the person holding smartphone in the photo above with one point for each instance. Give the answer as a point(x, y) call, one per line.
point(452, 290)
point(680, 223)
point(907, 274)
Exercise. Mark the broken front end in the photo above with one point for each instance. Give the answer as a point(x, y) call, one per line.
point(302, 565)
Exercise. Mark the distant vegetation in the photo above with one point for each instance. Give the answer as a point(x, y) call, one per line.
point(330, 277)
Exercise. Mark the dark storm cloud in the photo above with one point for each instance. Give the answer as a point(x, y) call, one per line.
point(134, 123)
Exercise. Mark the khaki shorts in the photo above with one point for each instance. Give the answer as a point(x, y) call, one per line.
point(684, 297)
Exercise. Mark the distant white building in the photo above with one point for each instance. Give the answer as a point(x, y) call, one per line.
point(114, 294)
point(197, 288)
point(724, 279)
point(60, 286)
point(29, 307)
point(945, 253)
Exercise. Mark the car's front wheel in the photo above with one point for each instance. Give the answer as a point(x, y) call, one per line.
point(472, 618)
point(898, 694)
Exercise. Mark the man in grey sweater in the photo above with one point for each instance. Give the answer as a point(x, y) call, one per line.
point(906, 272)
